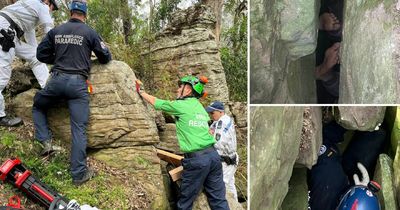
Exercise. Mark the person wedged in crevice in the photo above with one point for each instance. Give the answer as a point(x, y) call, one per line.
point(332, 176)
point(327, 71)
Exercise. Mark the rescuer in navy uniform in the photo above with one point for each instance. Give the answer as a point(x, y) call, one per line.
point(69, 47)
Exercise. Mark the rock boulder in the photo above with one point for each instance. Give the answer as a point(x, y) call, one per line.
point(282, 33)
point(311, 137)
point(275, 134)
point(118, 117)
point(360, 118)
point(370, 53)
point(384, 176)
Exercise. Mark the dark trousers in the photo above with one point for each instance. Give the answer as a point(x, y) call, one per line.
point(204, 170)
point(73, 89)
point(332, 175)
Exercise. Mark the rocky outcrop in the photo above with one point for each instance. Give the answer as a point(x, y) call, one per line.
point(384, 176)
point(360, 118)
point(121, 125)
point(118, 117)
point(311, 137)
point(239, 114)
point(275, 134)
point(370, 53)
point(168, 138)
point(142, 164)
point(188, 45)
point(282, 33)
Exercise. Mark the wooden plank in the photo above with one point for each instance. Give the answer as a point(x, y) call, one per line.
point(176, 173)
point(169, 157)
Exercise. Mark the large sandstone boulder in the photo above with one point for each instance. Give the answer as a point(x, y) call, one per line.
point(168, 139)
point(141, 163)
point(360, 118)
point(370, 52)
point(188, 44)
point(275, 134)
point(311, 137)
point(118, 117)
point(282, 33)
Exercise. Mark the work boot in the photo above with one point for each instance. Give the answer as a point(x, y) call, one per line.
point(48, 148)
point(10, 121)
point(89, 173)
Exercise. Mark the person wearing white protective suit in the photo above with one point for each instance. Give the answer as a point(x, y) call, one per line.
point(223, 129)
point(16, 21)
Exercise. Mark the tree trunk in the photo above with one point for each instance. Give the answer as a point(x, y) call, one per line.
point(216, 6)
point(126, 20)
point(151, 15)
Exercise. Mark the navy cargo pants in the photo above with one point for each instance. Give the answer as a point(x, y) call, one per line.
point(332, 175)
point(73, 89)
point(203, 170)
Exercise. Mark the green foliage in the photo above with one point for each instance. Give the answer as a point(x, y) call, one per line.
point(234, 51)
point(7, 140)
point(163, 13)
point(110, 192)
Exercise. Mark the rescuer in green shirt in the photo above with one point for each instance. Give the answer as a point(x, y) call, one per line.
point(202, 165)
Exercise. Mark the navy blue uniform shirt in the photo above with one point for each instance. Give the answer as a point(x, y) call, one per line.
point(69, 47)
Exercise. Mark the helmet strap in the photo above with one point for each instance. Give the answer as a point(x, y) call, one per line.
point(183, 97)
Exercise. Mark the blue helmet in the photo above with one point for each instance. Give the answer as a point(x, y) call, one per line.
point(360, 198)
point(78, 5)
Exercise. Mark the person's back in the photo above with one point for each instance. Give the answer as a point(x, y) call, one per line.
point(202, 168)
point(191, 123)
point(73, 43)
point(28, 14)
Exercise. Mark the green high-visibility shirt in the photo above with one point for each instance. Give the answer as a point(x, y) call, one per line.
point(191, 123)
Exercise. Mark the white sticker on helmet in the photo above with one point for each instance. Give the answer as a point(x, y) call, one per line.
point(369, 193)
point(322, 150)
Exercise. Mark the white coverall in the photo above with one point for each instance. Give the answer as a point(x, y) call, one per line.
point(225, 135)
point(27, 14)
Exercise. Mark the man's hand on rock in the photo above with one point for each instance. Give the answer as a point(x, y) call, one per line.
point(139, 87)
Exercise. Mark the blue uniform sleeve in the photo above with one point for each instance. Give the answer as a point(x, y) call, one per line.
point(45, 52)
point(100, 49)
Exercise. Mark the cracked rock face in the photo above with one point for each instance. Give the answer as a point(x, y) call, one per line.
point(118, 117)
point(282, 33)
